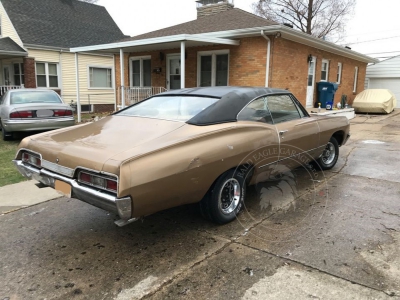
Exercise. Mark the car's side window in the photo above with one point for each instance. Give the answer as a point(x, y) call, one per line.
point(302, 111)
point(282, 108)
point(257, 111)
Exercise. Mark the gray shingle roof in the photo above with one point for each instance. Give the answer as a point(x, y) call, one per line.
point(61, 23)
point(227, 20)
point(8, 45)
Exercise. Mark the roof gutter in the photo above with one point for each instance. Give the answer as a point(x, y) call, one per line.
point(159, 40)
point(43, 47)
point(268, 57)
point(14, 53)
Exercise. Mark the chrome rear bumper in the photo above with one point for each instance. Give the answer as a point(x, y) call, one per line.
point(120, 206)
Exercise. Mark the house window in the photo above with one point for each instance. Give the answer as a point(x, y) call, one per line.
point(213, 68)
point(47, 75)
point(339, 73)
point(100, 77)
point(324, 70)
point(19, 74)
point(141, 71)
point(355, 79)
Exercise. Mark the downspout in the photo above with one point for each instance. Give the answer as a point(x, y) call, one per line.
point(268, 57)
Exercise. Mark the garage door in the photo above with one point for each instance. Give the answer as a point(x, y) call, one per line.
point(392, 84)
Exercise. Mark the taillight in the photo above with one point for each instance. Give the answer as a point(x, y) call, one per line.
point(31, 159)
point(111, 185)
point(98, 181)
point(62, 112)
point(21, 114)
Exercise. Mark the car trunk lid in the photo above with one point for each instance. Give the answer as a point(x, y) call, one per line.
point(90, 146)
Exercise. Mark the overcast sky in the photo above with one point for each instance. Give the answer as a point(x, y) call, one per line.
point(379, 22)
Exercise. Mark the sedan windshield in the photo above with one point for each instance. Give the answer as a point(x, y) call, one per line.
point(27, 97)
point(175, 108)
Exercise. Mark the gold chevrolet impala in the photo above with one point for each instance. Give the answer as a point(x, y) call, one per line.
point(180, 147)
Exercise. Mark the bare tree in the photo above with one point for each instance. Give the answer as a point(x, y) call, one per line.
point(320, 18)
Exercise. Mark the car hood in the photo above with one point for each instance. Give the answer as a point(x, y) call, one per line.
point(91, 145)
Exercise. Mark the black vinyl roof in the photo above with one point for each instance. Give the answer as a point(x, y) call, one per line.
point(232, 100)
point(61, 23)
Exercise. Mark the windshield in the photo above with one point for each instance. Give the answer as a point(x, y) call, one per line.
point(175, 108)
point(34, 97)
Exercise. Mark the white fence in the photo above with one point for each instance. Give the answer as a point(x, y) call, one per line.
point(5, 88)
point(136, 94)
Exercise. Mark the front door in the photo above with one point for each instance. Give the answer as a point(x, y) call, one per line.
point(7, 75)
point(173, 72)
point(311, 82)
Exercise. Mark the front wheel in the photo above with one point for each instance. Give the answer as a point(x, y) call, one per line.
point(330, 155)
point(225, 199)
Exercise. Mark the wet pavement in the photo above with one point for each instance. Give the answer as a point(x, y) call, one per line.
point(334, 236)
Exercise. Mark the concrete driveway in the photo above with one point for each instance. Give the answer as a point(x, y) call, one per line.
point(331, 236)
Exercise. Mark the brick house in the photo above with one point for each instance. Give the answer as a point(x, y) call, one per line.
point(35, 38)
point(229, 46)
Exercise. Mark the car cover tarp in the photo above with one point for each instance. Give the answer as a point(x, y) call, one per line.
point(375, 101)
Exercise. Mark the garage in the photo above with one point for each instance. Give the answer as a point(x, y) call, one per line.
point(385, 75)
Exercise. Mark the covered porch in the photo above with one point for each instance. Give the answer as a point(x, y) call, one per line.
point(12, 62)
point(150, 66)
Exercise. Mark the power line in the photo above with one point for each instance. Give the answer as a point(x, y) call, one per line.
point(382, 52)
point(391, 37)
point(398, 29)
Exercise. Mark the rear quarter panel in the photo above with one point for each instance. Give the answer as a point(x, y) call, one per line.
point(183, 172)
point(331, 125)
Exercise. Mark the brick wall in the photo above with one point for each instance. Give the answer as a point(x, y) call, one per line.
point(290, 70)
point(29, 72)
point(247, 64)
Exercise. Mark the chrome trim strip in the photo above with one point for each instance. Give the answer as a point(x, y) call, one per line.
point(122, 206)
point(58, 168)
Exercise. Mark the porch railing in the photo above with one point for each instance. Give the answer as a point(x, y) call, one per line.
point(137, 94)
point(5, 88)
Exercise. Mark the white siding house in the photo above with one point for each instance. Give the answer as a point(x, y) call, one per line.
point(385, 75)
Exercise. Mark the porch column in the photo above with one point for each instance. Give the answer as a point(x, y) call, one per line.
point(30, 73)
point(122, 66)
point(78, 99)
point(183, 78)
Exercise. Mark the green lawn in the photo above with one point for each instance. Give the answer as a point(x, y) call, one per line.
point(8, 172)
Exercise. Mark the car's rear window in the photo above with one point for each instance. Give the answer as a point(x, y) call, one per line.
point(34, 97)
point(175, 108)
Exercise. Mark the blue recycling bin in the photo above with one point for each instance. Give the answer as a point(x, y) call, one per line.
point(326, 93)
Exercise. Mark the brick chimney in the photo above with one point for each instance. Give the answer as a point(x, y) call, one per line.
point(212, 7)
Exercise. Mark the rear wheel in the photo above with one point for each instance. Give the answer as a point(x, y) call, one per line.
point(7, 136)
point(225, 198)
point(330, 155)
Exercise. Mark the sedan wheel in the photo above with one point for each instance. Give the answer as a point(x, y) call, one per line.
point(7, 136)
point(330, 155)
point(225, 199)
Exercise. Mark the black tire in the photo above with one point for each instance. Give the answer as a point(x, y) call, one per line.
point(222, 204)
point(329, 157)
point(7, 136)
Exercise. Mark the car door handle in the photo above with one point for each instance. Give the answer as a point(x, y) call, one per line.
point(281, 133)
